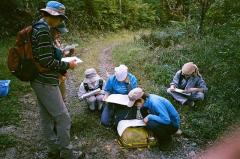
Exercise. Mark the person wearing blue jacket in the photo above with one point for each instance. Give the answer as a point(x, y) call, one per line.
point(159, 115)
point(120, 83)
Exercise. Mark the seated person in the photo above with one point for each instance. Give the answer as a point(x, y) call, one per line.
point(159, 115)
point(120, 83)
point(190, 81)
point(91, 82)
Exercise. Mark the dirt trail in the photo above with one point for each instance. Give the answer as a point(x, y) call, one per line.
point(88, 134)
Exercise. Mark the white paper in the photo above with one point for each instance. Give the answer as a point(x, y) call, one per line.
point(86, 95)
point(119, 99)
point(124, 124)
point(68, 59)
point(181, 91)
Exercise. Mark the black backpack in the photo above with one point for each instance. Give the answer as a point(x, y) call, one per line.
point(100, 85)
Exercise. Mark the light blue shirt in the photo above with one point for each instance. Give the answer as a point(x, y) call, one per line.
point(161, 110)
point(113, 86)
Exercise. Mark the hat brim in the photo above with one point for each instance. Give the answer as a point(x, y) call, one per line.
point(130, 103)
point(91, 80)
point(54, 13)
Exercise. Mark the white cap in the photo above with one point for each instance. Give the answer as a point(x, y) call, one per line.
point(135, 94)
point(121, 72)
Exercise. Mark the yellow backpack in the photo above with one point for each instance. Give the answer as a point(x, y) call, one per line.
point(136, 137)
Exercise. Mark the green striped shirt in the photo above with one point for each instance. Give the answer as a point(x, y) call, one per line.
point(43, 52)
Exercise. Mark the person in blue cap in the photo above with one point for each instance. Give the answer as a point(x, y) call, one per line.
point(53, 111)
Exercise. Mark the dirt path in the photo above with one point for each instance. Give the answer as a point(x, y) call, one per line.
point(87, 132)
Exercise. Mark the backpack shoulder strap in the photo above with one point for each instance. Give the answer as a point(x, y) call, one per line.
point(86, 86)
point(180, 78)
point(100, 83)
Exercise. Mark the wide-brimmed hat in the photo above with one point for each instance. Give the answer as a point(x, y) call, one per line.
point(121, 72)
point(62, 28)
point(91, 76)
point(55, 8)
point(135, 94)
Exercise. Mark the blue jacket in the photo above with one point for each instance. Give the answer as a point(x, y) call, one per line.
point(161, 110)
point(113, 86)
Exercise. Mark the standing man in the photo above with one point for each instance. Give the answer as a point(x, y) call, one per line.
point(46, 85)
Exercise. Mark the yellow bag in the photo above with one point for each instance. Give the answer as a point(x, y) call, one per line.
point(136, 137)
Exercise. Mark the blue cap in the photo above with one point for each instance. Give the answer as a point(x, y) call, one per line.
point(55, 8)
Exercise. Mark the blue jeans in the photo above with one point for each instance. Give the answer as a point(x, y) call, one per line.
point(107, 114)
point(113, 113)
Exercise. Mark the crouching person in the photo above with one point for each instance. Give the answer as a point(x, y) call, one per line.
point(91, 82)
point(159, 115)
point(190, 81)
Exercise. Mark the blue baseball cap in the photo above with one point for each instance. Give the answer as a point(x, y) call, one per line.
point(55, 8)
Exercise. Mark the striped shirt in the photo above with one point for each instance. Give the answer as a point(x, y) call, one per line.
point(43, 52)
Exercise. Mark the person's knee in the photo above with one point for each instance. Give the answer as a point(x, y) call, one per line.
point(100, 98)
point(63, 119)
point(105, 116)
point(91, 99)
point(169, 91)
point(198, 96)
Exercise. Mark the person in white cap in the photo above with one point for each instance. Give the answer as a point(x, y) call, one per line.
point(53, 111)
point(91, 82)
point(120, 83)
point(190, 80)
point(158, 114)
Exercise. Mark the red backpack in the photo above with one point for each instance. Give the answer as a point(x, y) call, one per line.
point(20, 60)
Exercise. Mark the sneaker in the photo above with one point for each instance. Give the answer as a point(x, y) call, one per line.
point(192, 103)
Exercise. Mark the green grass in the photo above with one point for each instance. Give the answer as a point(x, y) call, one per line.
point(7, 141)
point(218, 59)
point(10, 107)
